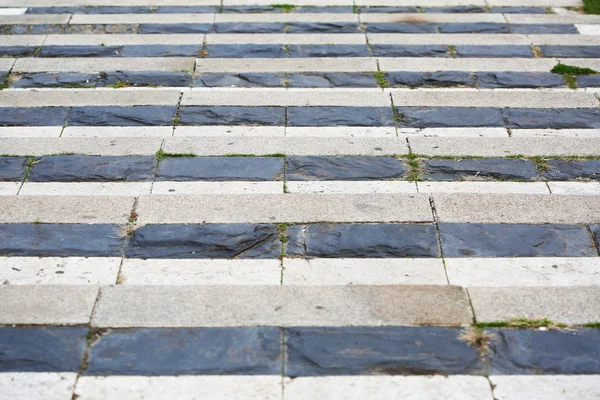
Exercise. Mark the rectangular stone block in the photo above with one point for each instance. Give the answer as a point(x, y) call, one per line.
point(95, 146)
point(284, 65)
point(350, 187)
point(342, 168)
point(102, 64)
point(483, 187)
point(37, 385)
point(85, 97)
point(340, 116)
point(228, 115)
point(465, 64)
point(40, 116)
point(236, 187)
point(13, 168)
point(551, 387)
point(490, 168)
point(122, 116)
point(445, 117)
point(220, 169)
point(557, 118)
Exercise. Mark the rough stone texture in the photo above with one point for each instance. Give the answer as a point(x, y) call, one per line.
point(494, 51)
point(92, 146)
point(435, 79)
point(92, 169)
point(38, 385)
point(192, 50)
point(245, 27)
point(87, 65)
point(240, 80)
point(60, 240)
point(379, 351)
point(333, 50)
point(332, 79)
point(150, 78)
point(220, 169)
point(324, 168)
point(401, 27)
point(173, 28)
point(245, 50)
point(49, 349)
point(519, 79)
point(192, 351)
point(321, 27)
point(494, 168)
point(560, 170)
point(554, 352)
point(545, 387)
point(17, 51)
point(588, 81)
point(432, 117)
point(40, 116)
point(474, 27)
point(122, 116)
point(204, 241)
point(544, 29)
point(515, 240)
point(362, 241)
point(228, 115)
point(383, 50)
point(571, 51)
point(519, 10)
point(13, 169)
point(565, 118)
point(81, 51)
point(340, 116)
point(57, 79)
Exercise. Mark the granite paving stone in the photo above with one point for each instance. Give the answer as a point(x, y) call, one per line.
point(230, 115)
point(515, 240)
point(220, 169)
point(245, 50)
point(383, 50)
point(143, 78)
point(595, 229)
point(209, 79)
point(321, 27)
point(455, 10)
point(57, 79)
point(246, 27)
point(13, 169)
point(42, 349)
point(588, 81)
point(553, 352)
point(17, 51)
point(81, 51)
point(442, 117)
point(544, 29)
point(190, 351)
point(322, 168)
point(401, 27)
point(561, 170)
point(328, 50)
point(382, 9)
point(493, 168)
point(185, 10)
point(340, 116)
point(75, 168)
point(122, 116)
point(494, 51)
point(191, 50)
point(204, 241)
point(557, 118)
point(431, 79)
point(473, 27)
point(518, 10)
point(61, 240)
point(39, 116)
point(571, 51)
point(362, 240)
point(511, 79)
point(423, 350)
point(173, 28)
point(331, 79)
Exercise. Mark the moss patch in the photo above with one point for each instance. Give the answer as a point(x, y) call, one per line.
point(591, 6)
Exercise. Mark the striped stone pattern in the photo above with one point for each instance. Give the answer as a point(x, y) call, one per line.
point(341, 199)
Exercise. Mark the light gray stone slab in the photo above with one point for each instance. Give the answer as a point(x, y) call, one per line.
point(141, 19)
point(425, 4)
point(366, 146)
point(34, 19)
point(21, 40)
point(566, 40)
point(291, 2)
point(119, 40)
point(154, 306)
point(525, 133)
point(412, 18)
point(119, 146)
point(30, 131)
point(286, 17)
point(350, 187)
point(305, 207)
point(177, 188)
point(218, 146)
point(455, 132)
point(37, 385)
point(466, 64)
point(230, 131)
point(552, 18)
point(516, 208)
point(348, 131)
point(117, 131)
point(103, 64)
point(570, 305)
point(593, 63)
point(73, 3)
point(325, 64)
point(12, 11)
point(548, 387)
point(445, 39)
point(9, 188)
point(586, 29)
point(86, 188)
point(483, 187)
point(286, 38)
point(87, 97)
point(7, 63)
point(534, 3)
point(583, 188)
point(47, 304)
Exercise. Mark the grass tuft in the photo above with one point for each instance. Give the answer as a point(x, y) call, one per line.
point(563, 69)
point(520, 323)
point(591, 6)
point(121, 84)
point(477, 338)
point(382, 82)
point(161, 155)
point(595, 325)
point(287, 8)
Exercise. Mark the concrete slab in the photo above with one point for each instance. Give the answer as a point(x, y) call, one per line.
point(466, 64)
point(141, 19)
point(30, 131)
point(350, 187)
point(181, 188)
point(483, 187)
point(103, 64)
point(524, 133)
point(117, 131)
point(551, 387)
point(75, 39)
point(87, 97)
point(286, 38)
point(441, 38)
point(9, 188)
point(230, 131)
point(85, 188)
point(34, 19)
point(286, 65)
point(580, 188)
point(97, 146)
point(37, 385)
point(347, 131)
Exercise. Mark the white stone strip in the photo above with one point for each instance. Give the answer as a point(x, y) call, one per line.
point(526, 271)
point(285, 17)
point(513, 208)
point(9, 188)
point(528, 133)
point(193, 188)
point(483, 187)
point(341, 64)
point(90, 65)
point(87, 97)
point(350, 187)
point(96, 146)
point(345, 131)
point(368, 18)
point(574, 18)
point(116, 131)
point(21, 40)
point(141, 19)
point(466, 64)
point(12, 11)
point(200, 272)
point(230, 131)
point(7, 63)
point(286, 38)
point(593, 63)
point(424, 4)
point(29, 131)
point(37, 385)
point(546, 387)
point(448, 39)
point(453, 132)
point(124, 3)
point(512, 98)
point(588, 29)
point(85, 188)
point(119, 40)
point(34, 19)
point(59, 270)
point(364, 271)
point(534, 3)
point(583, 188)
point(301, 207)
point(565, 40)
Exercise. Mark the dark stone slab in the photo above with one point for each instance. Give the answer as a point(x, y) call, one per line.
point(456, 10)
point(38, 116)
point(362, 240)
point(557, 118)
point(17, 51)
point(544, 29)
point(60, 240)
point(43, 349)
point(432, 79)
point(52, 10)
point(245, 50)
point(496, 168)
point(187, 351)
point(518, 10)
point(99, 28)
point(3, 75)
point(494, 51)
point(186, 10)
point(515, 240)
point(145, 78)
point(385, 50)
point(588, 81)
point(220, 169)
point(112, 10)
point(553, 352)
point(81, 51)
point(320, 10)
point(324, 168)
point(174, 28)
point(13, 169)
point(122, 116)
point(249, 27)
point(473, 27)
point(340, 116)
point(571, 51)
point(205, 241)
point(57, 79)
point(405, 78)
point(322, 27)
point(424, 350)
point(328, 50)
point(432, 117)
point(378, 9)
point(331, 79)
point(560, 170)
point(93, 169)
point(195, 115)
point(210, 79)
point(166, 50)
point(401, 27)
point(519, 79)
point(251, 9)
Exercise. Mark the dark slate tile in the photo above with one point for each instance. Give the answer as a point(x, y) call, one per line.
point(378, 9)
point(204, 241)
point(122, 116)
point(494, 51)
point(322, 27)
point(506, 169)
point(511, 79)
point(329, 50)
point(187, 351)
point(13, 169)
point(405, 78)
point(588, 81)
point(515, 240)
point(3, 75)
point(518, 10)
point(220, 169)
point(325, 168)
point(163, 50)
point(560, 170)
point(440, 117)
point(145, 78)
point(112, 10)
point(424, 350)
point(197, 115)
point(56, 79)
point(331, 79)
point(433, 50)
point(101, 28)
point(245, 50)
point(174, 28)
point(571, 51)
point(456, 10)
point(17, 51)
point(362, 240)
point(340, 116)
point(251, 9)
point(320, 10)
point(93, 169)
point(448, 79)
point(210, 79)
point(60, 240)
point(544, 29)
point(186, 10)
point(473, 27)
point(553, 352)
point(401, 27)
point(558, 118)
point(42, 349)
point(249, 27)
point(38, 116)
point(81, 51)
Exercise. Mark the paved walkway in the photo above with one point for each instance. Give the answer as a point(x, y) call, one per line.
point(204, 199)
